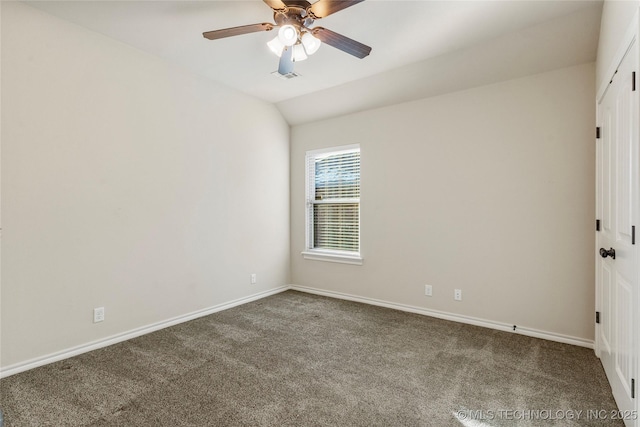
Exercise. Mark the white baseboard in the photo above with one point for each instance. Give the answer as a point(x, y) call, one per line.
point(114, 339)
point(551, 336)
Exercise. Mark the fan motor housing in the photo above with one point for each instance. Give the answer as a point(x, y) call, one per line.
point(295, 16)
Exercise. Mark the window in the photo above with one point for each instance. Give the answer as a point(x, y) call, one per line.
point(333, 205)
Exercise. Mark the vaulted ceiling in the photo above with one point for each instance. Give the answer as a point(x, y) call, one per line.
point(420, 48)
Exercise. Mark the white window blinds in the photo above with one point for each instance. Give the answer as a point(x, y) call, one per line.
point(333, 200)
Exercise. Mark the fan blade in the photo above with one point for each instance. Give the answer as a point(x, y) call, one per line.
point(341, 42)
point(276, 4)
point(236, 31)
point(286, 61)
point(303, 4)
point(324, 8)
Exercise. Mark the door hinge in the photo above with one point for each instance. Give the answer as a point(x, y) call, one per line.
point(597, 225)
point(633, 388)
point(598, 132)
point(597, 317)
point(633, 234)
point(633, 81)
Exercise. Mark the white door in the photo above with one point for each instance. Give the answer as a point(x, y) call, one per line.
point(617, 210)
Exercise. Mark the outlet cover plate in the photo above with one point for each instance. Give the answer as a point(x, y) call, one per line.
point(428, 290)
point(98, 314)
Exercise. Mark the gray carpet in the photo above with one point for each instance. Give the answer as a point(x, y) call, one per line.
point(295, 359)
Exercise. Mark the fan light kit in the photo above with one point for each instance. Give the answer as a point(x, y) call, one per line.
point(296, 40)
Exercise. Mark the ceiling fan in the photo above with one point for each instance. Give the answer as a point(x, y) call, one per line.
point(296, 39)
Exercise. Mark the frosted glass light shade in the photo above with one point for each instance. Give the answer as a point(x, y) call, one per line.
point(276, 46)
point(310, 43)
point(288, 35)
point(299, 53)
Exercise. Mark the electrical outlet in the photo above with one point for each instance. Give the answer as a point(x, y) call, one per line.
point(98, 314)
point(254, 278)
point(457, 294)
point(428, 290)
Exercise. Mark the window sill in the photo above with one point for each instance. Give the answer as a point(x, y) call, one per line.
point(333, 256)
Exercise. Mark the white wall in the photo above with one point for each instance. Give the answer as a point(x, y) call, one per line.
point(616, 18)
point(490, 190)
point(127, 183)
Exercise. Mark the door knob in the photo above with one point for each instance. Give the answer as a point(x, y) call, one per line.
point(605, 253)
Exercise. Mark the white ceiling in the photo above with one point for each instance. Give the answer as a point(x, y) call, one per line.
point(420, 48)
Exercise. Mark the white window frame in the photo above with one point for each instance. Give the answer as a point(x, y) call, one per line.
point(331, 255)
